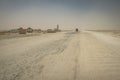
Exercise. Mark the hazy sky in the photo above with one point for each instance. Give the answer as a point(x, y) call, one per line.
point(85, 14)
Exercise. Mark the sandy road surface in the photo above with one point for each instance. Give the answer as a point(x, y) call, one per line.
point(99, 58)
point(60, 56)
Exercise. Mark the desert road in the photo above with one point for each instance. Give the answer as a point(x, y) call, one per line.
point(86, 55)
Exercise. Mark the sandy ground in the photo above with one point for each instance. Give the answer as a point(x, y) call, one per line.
point(61, 56)
point(17, 35)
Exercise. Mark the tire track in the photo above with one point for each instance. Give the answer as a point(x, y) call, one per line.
point(77, 64)
point(29, 64)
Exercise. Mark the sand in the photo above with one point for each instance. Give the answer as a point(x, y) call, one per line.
point(87, 55)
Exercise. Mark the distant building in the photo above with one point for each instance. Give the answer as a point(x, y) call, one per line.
point(38, 30)
point(57, 29)
point(21, 30)
point(50, 31)
point(29, 30)
point(13, 31)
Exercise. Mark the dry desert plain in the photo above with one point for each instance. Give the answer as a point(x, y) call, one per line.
point(86, 55)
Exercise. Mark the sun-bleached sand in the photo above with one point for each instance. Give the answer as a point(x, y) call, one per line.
point(87, 55)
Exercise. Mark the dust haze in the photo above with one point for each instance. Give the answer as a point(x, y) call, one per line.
point(59, 40)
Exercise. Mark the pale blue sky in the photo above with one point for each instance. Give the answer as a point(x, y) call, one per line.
point(85, 14)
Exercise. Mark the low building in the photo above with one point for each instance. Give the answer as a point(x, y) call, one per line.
point(21, 30)
point(29, 30)
point(50, 31)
